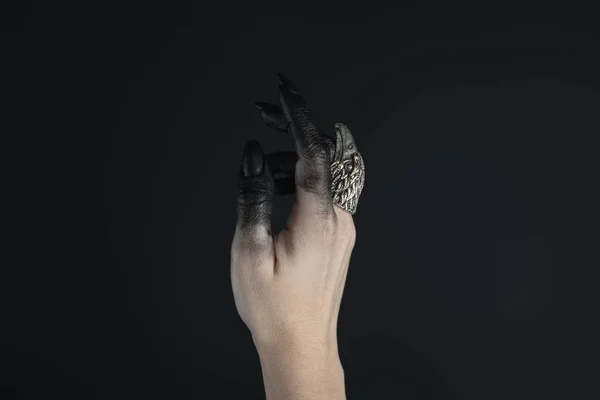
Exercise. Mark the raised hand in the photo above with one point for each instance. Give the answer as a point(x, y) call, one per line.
point(288, 287)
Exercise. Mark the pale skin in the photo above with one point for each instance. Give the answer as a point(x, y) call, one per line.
point(288, 287)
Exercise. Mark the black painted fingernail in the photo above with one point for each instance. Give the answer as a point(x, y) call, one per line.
point(259, 105)
point(252, 159)
point(285, 81)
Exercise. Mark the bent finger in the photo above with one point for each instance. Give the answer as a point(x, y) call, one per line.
point(253, 240)
point(313, 169)
point(272, 116)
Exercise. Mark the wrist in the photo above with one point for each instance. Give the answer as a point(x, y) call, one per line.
point(304, 372)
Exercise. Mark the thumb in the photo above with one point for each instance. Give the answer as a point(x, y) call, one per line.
point(253, 238)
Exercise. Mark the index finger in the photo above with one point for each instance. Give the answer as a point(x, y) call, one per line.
point(313, 168)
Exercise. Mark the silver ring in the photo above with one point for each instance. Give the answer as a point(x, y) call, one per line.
point(347, 170)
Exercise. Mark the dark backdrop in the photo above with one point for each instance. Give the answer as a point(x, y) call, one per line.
point(475, 269)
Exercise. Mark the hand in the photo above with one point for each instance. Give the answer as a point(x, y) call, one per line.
point(288, 287)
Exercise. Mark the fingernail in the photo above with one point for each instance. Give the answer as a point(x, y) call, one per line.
point(252, 159)
point(285, 81)
point(259, 105)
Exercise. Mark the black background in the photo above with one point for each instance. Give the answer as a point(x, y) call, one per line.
point(475, 270)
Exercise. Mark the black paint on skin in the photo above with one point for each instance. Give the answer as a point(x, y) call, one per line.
point(310, 142)
point(256, 188)
point(284, 162)
point(272, 116)
point(257, 183)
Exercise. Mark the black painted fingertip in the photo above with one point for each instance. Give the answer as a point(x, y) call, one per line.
point(289, 98)
point(275, 120)
point(252, 159)
point(293, 106)
point(269, 108)
point(285, 81)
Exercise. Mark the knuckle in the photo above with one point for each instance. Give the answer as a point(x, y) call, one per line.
point(317, 148)
point(301, 115)
point(255, 189)
point(316, 164)
point(326, 229)
point(315, 142)
point(251, 247)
